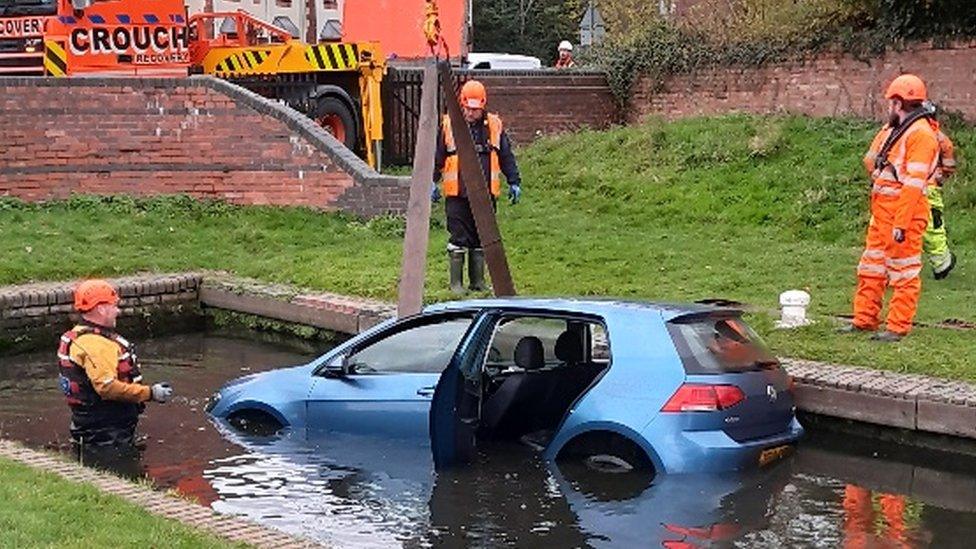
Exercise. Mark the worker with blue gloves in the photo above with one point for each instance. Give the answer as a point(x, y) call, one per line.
point(495, 150)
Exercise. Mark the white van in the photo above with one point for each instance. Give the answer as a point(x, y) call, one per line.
point(502, 61)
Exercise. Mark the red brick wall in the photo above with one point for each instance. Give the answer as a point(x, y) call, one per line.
point(827, 85)
point(198, 136)
point(545, 104)
point(531, 103)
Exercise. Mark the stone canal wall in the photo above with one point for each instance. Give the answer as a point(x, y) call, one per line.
point(904, 401)
point(31, 313)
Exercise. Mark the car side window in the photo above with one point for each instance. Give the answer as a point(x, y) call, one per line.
point(599, 344)
point(592, 337)
point(501, 354)
point(426, 348)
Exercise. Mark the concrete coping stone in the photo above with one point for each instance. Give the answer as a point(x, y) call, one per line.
point(881, 382)
point(59, 293)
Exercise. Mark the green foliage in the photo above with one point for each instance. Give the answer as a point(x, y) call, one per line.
point(33, 515)
point(385, 226)
point(529, 27)
point(939, 20)
point(755, 32)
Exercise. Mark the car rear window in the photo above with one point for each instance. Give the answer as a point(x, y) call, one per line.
point(719, 344)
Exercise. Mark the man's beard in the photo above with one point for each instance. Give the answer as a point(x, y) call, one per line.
point(894, 120)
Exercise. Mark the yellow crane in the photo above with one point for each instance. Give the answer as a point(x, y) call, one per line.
point(336, 84)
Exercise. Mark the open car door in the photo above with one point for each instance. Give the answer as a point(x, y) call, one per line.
point(456, 406)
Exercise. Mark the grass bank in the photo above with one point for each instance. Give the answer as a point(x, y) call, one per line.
point(737, 207)
point(43, 510)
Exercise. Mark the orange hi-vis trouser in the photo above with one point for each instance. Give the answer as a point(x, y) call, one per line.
point(897, 201)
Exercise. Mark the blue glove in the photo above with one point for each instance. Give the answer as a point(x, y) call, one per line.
point(514, 194)
point(435, 193)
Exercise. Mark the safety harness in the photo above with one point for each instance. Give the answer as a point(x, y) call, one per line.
point(77, 388)
point(927, 110)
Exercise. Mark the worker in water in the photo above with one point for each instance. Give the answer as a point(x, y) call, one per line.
point(495, 150)
point(935, 244)
point(902, 158)
point(99, 373)
point(565, 59)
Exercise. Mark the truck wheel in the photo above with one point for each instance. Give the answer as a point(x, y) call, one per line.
point(337, 118)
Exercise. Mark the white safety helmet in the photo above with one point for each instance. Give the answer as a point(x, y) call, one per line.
point(565, 45)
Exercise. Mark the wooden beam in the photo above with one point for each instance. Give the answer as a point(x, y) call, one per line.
point(478, 196)
point(414, 265)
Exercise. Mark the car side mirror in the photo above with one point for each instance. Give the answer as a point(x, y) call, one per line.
point(338, 366)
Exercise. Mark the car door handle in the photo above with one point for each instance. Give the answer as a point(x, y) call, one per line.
point(426, 391)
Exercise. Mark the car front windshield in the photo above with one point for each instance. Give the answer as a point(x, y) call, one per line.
point(427, 348)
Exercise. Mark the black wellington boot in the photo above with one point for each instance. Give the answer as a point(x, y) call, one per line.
point(476, 270)
point(457, 271)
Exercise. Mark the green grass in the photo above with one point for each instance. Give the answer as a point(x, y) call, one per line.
point(737, 207)
point(43, 510)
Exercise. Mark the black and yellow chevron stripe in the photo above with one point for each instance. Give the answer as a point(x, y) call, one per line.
point(244, 61)
point(336, 57)
point(55, 58)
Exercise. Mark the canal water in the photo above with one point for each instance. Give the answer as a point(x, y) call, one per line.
point(355, 491)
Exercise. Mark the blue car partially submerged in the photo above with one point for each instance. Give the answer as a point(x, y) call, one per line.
point(673, 388)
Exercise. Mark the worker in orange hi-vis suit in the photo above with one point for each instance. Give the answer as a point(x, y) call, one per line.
point(901, 160)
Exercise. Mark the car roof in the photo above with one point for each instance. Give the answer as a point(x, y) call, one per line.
point(588, 305)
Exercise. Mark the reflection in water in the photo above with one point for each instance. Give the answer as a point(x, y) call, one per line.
point(369, 491)
point(871, 519)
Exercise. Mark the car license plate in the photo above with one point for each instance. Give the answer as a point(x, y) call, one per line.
point(770, 455)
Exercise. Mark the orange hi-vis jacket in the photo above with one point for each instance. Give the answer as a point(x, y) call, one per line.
point(898, 193)
point(450, 175)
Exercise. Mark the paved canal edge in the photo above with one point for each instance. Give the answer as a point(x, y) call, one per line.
point(905, 401)
point(166, 506)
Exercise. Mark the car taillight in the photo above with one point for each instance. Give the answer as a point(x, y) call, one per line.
point(694, 397)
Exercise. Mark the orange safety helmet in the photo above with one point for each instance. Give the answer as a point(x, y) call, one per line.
point(907, 87)
point(473, 95)
point(90, 293)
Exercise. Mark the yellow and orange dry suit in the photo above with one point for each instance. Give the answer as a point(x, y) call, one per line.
point(897, 201)
point(99, 375)
point(450, 173)
point(936, 242)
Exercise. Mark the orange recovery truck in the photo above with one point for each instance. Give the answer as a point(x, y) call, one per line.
point(335, 83)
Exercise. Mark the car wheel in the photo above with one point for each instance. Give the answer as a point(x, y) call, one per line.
point(337, 118)
point(607, 452)
point(255, 422)
point(608, 463)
